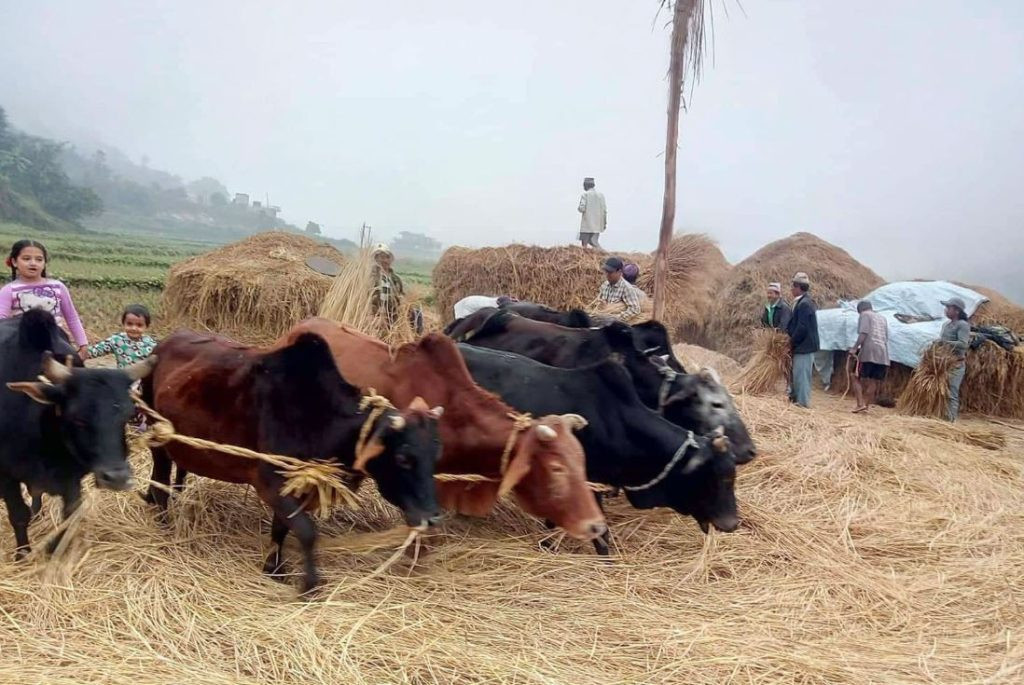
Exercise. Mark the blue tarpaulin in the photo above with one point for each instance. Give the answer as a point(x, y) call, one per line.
point(837, 328)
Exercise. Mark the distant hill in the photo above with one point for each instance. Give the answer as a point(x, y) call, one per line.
point(34, 188)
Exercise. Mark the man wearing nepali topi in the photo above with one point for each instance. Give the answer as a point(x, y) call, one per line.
point(595, 215)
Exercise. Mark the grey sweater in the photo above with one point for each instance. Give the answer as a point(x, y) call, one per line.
point(957, 334)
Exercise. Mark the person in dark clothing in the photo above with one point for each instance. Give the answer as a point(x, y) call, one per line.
point(803, 337)
point(777, 311)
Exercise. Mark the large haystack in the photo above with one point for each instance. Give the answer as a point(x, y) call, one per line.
point(253, 290)
point(568, 277)
point(834, 275)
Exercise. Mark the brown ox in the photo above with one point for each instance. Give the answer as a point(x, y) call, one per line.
point(289, 400)
point(545, 467)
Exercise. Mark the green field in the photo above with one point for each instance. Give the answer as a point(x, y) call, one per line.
point(107, 271)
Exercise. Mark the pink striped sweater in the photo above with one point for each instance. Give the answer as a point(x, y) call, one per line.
point(18, 297)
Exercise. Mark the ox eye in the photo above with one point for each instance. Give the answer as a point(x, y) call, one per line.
point(402, 460)
point(718, 405)
point(559, 469)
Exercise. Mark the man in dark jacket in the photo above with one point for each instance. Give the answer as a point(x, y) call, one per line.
point(803, 336)
point(776, 312)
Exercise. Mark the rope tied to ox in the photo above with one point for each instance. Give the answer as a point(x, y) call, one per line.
point(326, 482)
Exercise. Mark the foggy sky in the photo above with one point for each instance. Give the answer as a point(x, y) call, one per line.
point(893, 129)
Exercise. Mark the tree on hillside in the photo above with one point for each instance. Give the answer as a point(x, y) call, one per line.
point(313, 228)
point(218, 200)
point(203, 189)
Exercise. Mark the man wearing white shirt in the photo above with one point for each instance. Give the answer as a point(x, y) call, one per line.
point(595, 215)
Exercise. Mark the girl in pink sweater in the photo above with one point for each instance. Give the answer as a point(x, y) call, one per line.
point(31, 289)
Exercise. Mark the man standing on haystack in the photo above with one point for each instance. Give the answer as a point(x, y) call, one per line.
point(595, 215)
point(956, 333)
point(803, 337)
point(777, 311)
point(617, 297)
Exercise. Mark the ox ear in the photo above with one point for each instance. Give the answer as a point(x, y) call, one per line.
point(43, 393)
point(437, 412)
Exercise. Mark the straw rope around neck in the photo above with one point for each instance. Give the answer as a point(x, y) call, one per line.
point(520, 423)
point(378, 406)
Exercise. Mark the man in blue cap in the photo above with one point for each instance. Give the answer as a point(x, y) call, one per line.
point(616, 290)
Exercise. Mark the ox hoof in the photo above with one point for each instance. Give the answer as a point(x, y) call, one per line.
point(275, 567)
point(309, 587)
point(147, 496)
point(21, 553)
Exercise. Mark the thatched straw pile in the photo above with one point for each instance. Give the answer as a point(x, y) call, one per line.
point(253, 290)
point(694, 357)
point(833, 272)
point(998, 310)
point(569, 277)
point(866, 555)
point(350, 301)
point(771, 364)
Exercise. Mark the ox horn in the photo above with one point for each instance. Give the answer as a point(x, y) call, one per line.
point(546, 433)
point(54, 372)
point(696, 461)
point(397, 422)
point(140, 370)
point(437, 411)
point(709, 374)
point(575, 421)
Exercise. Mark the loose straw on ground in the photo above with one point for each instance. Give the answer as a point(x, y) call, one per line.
point(872, 549)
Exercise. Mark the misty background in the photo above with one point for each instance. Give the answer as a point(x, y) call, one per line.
point(893, 131)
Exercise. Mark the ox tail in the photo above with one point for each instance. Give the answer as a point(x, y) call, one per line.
point(577, 318)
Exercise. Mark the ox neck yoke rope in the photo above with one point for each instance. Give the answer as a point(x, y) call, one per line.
point(378, 406)
point(680, 453)
point(520, 422)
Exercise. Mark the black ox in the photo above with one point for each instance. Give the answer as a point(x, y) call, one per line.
point(57, 432)
point(696, 402)
point(656, 463)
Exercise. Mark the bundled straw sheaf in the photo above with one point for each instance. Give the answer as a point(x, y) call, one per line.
point(569, 277)
point(927, 393)
point(834, 275)
point(993, 383)
point(252, 290)
point(865, 556)
point(350, 301)
point(771, 364)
